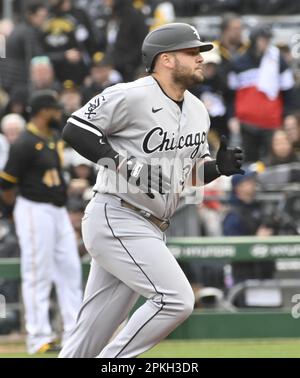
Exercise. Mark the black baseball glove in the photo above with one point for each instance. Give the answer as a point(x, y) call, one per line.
point(229, 159)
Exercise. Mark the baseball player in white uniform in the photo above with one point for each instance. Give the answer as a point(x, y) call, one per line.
point(146, 136)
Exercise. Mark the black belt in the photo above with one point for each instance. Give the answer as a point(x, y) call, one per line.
point(161, 224)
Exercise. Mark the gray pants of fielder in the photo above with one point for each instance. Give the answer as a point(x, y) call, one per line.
point(129, 259)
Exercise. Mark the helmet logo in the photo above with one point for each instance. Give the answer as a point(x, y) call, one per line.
point(195, 31)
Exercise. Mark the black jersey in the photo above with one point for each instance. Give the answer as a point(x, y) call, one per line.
point(34, 164)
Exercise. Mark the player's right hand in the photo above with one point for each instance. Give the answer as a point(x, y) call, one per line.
point(147, 177)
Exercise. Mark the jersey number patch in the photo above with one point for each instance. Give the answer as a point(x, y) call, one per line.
point(51, 178)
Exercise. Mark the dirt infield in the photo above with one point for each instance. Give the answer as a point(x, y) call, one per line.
point(14, 343)
point(13, 348)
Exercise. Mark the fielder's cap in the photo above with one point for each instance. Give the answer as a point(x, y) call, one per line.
point(171, 37)
point(44, 99)
point(237, 179)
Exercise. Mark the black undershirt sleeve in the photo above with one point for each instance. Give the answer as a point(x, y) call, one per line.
point(210, 171)
point(89, 145)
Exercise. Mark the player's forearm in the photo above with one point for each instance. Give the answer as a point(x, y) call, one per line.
point(8, 197)
point(210, 171)
point(89, 145)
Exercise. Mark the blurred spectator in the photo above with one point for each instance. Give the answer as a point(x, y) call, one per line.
point(292, 61)
point(81, 168)
point(291, 125)
point(11, 126)
point(77, 188)
point(229, 47)
point(282, 151)
point(126, 32)
point(83, 177)
point(211, 211)
point(6, 27)
point(69, 41)
point(23, 43)
point(144, 6)
point(70, 99)
point(42, 75)
point(231, 44)
point(211, 92)
point(245, 216)
point(164, 13)
point(102, 75)
point(4, 98)
point(98, 14)
point(263, 83)
point(76, 208)
point(17, 103)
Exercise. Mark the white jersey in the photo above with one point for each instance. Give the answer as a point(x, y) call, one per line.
point(139, 119)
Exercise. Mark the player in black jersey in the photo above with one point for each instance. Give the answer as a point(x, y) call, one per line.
point(33, 175)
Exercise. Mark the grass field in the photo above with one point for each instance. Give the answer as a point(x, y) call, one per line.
point(260, 348)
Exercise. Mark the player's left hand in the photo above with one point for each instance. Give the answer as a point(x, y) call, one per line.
point(229, 159)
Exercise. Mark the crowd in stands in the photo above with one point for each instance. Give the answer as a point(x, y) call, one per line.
point(187, 8)
point(80, 47)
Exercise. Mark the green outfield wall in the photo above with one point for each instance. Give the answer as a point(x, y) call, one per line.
point(214, 324)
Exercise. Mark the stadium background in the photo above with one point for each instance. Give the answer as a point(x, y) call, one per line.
point(247, 285)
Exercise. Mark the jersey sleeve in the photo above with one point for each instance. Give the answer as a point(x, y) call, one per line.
point(16, 166)
point(106, 112)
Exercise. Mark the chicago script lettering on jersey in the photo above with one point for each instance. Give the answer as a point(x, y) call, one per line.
point(158, 140)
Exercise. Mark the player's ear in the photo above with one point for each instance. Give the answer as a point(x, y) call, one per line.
point(168, 60)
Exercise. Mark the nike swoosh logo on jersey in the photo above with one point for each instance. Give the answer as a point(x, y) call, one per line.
point(156, 110)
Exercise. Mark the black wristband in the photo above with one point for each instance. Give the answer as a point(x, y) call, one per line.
point(211, 171)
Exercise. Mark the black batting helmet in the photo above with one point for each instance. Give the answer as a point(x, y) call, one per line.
point(171, 37)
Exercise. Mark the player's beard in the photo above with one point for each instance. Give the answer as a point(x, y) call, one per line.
point(184, 77)
point(54, 124)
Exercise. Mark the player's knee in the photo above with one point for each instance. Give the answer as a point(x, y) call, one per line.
point(187, 302)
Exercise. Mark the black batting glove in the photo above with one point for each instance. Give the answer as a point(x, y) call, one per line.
point(147, 177)
point(229, 159)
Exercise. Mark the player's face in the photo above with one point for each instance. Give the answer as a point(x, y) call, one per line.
point(53, 117)
point(188, 67)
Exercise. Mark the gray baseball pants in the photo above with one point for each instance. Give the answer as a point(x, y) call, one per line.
point(129, 259)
